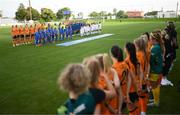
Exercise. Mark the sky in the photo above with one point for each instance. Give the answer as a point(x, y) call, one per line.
point(9, 7)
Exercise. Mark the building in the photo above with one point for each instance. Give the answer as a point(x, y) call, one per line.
point(113, 17)
point(80, 15)
point(135, 14)
point(167, 14)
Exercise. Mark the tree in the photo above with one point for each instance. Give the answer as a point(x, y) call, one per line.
point(47, 14)
point(153, 13)
point(94, 14)
point(21, 13)
point(125, 16)
point(103, 14)
point(60, 14)
point(35, 14)
point(114, 11)
point(109, 14)
point(121, 14)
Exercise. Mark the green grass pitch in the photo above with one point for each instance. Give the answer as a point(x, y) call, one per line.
point(28, 74)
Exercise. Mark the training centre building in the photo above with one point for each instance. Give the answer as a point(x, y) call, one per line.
point(135, 14)
point(167, 14)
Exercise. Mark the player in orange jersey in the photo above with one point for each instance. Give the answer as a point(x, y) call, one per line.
point(27, 35)
point(141, 56)
point(135, 80)
point(35, 28)
point(93, 65)
point(17, 35)
point(109, 106)
point(21, 35)
point(31, 31)
point(121, 67)
point(14, 36)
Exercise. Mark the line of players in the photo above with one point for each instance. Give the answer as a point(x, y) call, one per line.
point(40, 34)
point(22, 35)
point(52, 34)
point(111, 84)
point(90, 29)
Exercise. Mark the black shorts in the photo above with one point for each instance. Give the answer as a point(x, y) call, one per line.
point(144, 88)
point(134, 97)
point(21, 36)
point(32, 35)
point(27, 36)
point(14, 37)
point(144, 91)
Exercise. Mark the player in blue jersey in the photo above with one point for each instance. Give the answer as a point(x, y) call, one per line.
point(48, 33)
point(59, 30)
point(66, 32)
point(73, 27)
point(37, 37)
point(62, 33)
point(44, 35)
point(70, 31)
point(56, 34)
point(52, 34)
point(41, 36)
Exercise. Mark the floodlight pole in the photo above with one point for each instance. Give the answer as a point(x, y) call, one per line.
point(177, 10)
point(30, 10)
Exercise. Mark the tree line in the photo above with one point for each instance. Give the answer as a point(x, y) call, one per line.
point(46, 14)
point(103, 14)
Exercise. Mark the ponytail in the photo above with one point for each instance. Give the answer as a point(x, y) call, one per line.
point(117, 53)
point(130, 47)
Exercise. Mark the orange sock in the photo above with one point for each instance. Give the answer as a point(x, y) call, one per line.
point(143, 104)
point(137, 111)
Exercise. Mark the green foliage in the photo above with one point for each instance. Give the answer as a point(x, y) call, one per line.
point(35, 14)
point(109, 14)
point(21, 13)
point(153, 13)
point(41, 20)
point(121, 14)
point(98, 15)
point(60, 14)
point(103, 14)
point(24, 14)
point(94, 14)
point(47, 14)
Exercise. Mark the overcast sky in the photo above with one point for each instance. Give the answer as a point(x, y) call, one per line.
point(9, 7)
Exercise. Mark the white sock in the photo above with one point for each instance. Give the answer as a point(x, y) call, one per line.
point(143, 113)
